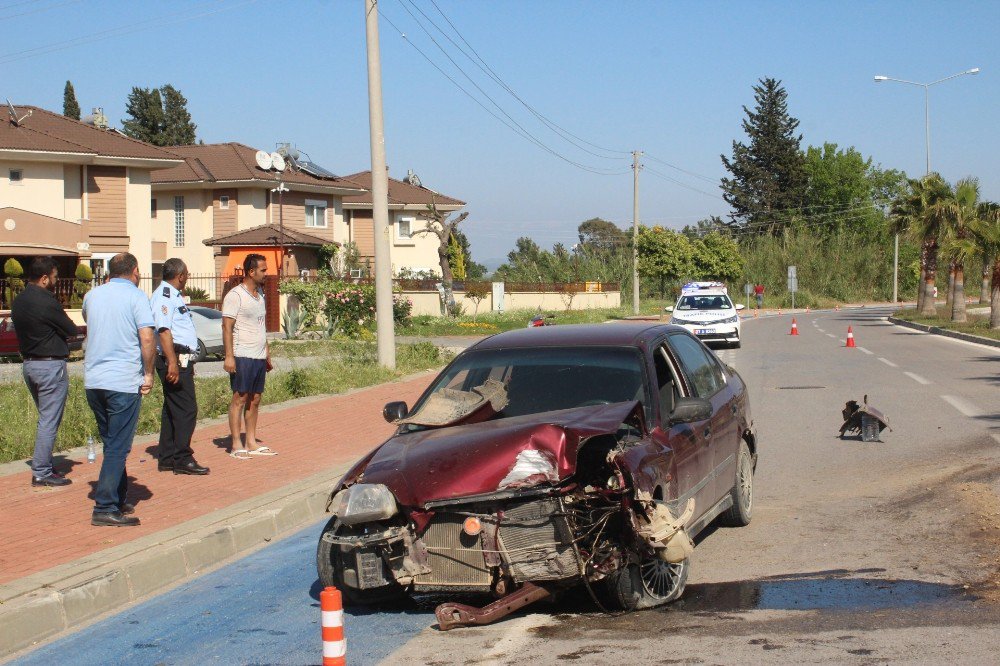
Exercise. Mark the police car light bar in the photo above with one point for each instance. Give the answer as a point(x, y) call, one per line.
point(692, 287)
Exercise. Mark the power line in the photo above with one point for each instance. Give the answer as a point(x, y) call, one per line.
point(681, 183)
point(489, 71)
point(707, 179)
point(37, 10)
point(512, 125)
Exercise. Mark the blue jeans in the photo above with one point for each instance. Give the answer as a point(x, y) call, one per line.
point(48, 383)
point(117, 416)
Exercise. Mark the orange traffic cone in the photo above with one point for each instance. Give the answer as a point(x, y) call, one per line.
point(850, 337)
point(795, 327)
point(332, 609)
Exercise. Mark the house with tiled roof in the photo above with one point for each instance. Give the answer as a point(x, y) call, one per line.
point(74, 190)
point(408, 201)
point(220, 190)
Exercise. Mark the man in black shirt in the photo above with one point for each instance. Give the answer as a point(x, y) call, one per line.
point(42, 328)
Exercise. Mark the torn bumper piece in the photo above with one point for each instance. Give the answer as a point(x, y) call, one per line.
point(451, 615)
point(863, 420)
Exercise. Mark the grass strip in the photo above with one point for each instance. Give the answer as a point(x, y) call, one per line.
point(977, 324)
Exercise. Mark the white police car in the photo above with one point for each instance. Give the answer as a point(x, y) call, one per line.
point(706, 310)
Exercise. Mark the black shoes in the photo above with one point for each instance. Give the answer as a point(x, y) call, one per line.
point(52, 480)
point(127, 509)
point(164, 466)
point(190, 467)
point(116, 519)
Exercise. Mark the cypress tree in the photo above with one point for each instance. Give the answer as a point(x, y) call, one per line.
point(178, 130)
point(768, 176)
point(70, 107)
point(145, 110)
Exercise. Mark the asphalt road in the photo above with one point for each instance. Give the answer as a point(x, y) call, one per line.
point(857, 553)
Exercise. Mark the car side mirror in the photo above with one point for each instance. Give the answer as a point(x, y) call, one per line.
point(669, 308)
point(687, 410)
point(740, 306)
point(394, 411)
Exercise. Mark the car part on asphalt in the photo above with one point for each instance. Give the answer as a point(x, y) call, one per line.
point(863, 420)
point(451, 615)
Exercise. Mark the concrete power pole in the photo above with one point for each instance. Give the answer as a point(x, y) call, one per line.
point(385, 335)
point(635, 231)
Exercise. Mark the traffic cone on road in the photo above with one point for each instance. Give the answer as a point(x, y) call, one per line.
point(332, 609)
point(850, 337)
point(795, 327)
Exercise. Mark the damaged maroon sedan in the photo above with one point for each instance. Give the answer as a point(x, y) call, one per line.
point(543, 459)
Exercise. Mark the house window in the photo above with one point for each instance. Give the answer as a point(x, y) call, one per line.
point(316, 213)
point(16, 176)
point(404, 227)
point(152, 208)
point(179, 221)
point(224, 202)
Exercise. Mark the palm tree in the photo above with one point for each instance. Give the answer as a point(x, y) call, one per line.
point(983, 240)
point(956, 213)
point(927, 228)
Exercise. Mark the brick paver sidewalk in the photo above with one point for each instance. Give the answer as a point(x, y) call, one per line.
point(45, 527)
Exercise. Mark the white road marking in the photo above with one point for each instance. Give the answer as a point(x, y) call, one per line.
point(830, 335)
point(917, 378)
point(888, 362)
point(962, 405)
point(865, 350)
point(820, 329)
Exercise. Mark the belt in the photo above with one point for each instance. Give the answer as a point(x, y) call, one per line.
point(29, 357)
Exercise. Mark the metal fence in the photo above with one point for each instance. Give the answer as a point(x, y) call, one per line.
point(404, 284)
point(203, 289)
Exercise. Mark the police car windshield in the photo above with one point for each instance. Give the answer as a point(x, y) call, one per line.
point(705, 302)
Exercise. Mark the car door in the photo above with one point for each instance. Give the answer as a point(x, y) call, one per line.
point(692, 460)
point(706, 380)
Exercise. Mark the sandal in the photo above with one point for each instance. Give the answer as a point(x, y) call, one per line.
point(263, 451)
point(240, 454)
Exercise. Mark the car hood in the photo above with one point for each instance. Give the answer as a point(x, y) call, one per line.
point(703, 315)
point(472, 459)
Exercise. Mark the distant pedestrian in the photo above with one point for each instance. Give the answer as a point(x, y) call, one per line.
point(758, 292)
point(118, 367)
point(248, 356)
point(176, 344)
point(42, 328)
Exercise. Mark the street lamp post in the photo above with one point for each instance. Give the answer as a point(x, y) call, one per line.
point(927, 138)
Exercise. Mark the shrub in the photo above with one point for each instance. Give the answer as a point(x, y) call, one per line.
point(81, 285)
point(13, 270)
point(476, 292)
point(350, 306)
point(196, 293)
point(402, 310)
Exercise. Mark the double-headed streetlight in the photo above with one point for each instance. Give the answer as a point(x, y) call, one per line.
point(927, 135)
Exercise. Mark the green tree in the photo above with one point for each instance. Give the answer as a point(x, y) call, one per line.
point(717, 257)
point(768, 176)
point(473, 271)
point(70, 107)
point(928, 226)
point(665, 256)
point(442, 225)
point(81, 285)
point(13, 270)
point(712, 223)
point(456, 258)
point(178, 130)
point(159, 116)
point(600, 235)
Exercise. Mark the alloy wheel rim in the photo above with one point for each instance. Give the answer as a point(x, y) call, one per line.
point(746, 484)
point(660, 579)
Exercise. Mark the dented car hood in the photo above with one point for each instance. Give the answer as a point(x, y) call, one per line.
point(472, 459)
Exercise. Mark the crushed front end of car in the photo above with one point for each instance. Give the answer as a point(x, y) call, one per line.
point(520, 508)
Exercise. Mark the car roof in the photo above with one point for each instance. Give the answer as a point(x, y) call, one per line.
point(568, 335)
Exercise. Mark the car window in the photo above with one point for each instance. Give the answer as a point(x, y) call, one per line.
point(549, 379)
point(207, 313)
point(667, 389)
point(701, 369)
point(705, 302)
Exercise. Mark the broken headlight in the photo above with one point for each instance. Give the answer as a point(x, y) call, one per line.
point(363, 503)
point(682, 322)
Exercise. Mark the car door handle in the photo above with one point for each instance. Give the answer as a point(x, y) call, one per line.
point(708, 432)
point(733, 409)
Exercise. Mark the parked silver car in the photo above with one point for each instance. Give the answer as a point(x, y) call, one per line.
point(208, 325)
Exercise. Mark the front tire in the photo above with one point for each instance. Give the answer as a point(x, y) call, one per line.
point(648, 584)
point(741, 512)
point(201, 353)
point(330, 567)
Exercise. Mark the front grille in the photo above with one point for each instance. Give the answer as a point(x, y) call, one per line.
point(455, 558)
point(536, 541)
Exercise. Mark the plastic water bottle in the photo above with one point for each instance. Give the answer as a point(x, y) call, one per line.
point(91, 449)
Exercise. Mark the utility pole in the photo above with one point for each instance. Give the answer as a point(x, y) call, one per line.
point(384, 333)
point(635, 231)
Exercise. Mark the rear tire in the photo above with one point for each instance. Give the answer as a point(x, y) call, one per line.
point(330, 566)
point(741, 512)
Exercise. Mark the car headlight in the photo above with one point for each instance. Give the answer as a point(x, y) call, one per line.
point(363, 503)
point(682, 322)
point(729, 320)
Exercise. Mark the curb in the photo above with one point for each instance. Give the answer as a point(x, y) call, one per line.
point(934, 330)
point(43, 605)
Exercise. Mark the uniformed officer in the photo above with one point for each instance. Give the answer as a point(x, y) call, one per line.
point(176, 345)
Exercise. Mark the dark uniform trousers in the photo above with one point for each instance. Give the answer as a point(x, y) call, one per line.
point(179, 416)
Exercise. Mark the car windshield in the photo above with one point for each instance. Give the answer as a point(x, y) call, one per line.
point(547, 379)
point(207, 313)
point(705, 302)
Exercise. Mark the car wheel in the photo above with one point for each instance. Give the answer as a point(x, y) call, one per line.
point(201, 353)
point(740, 513)
point(330, 567)
point(650, 583)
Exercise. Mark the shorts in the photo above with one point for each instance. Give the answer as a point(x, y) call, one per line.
point(249, 376)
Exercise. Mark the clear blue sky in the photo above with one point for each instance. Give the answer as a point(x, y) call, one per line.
point(668, 78)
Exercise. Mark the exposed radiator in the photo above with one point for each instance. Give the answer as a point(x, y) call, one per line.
point(536, 541)
point(455, 558)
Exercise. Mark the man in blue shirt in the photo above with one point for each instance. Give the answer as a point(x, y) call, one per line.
point(118, 371)
point(176, 344)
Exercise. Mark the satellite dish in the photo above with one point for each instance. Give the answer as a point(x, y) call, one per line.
point(264, 160)
point(278, 161)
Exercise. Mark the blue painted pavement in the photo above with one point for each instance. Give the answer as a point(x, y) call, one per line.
point(262, 609)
